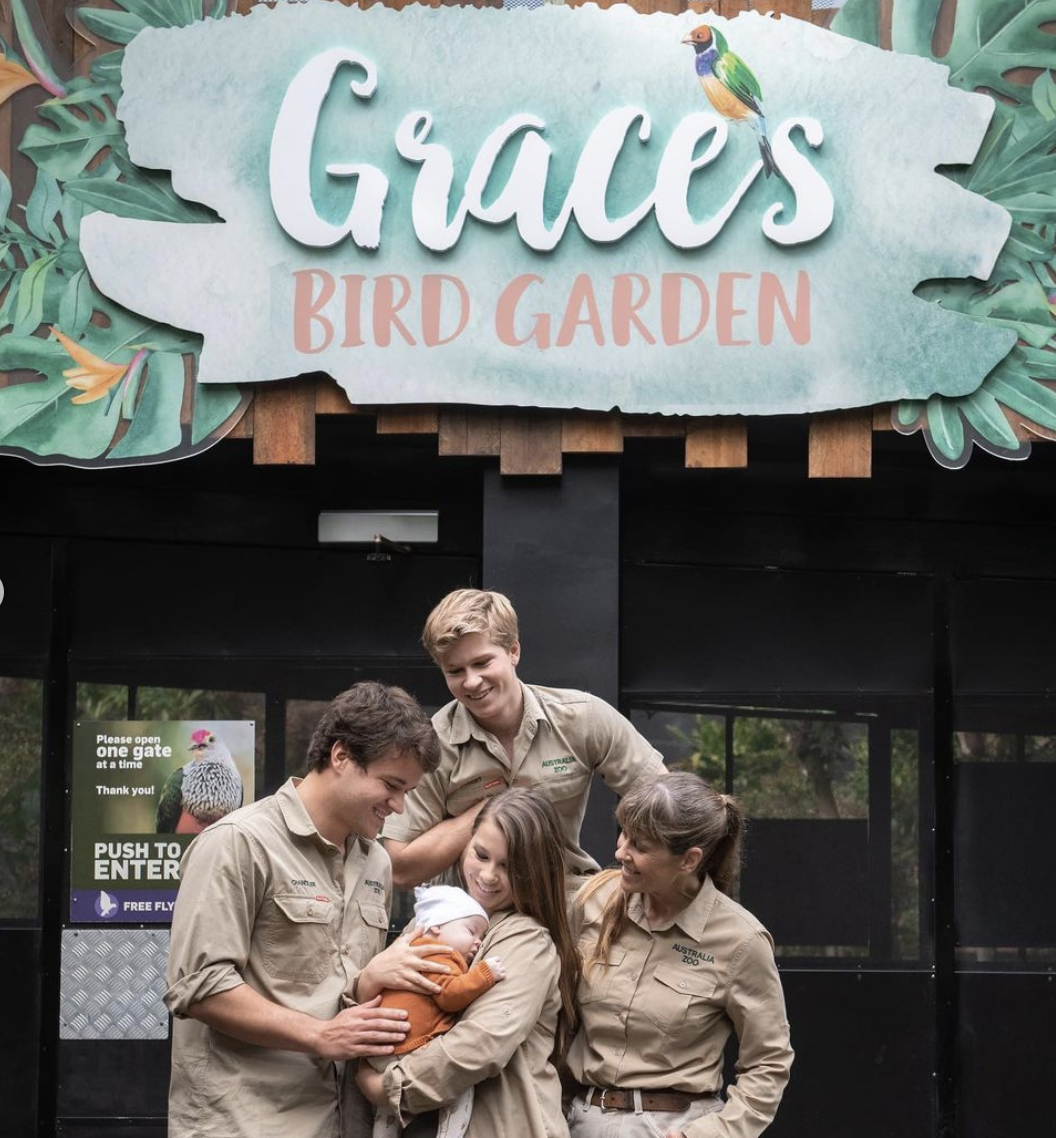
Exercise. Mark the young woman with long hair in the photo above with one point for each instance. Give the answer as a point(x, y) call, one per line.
point(510, 1040)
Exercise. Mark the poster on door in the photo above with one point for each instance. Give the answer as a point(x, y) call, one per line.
point(141, 792)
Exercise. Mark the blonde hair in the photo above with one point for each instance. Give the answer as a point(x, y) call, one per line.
point(466, 611)
point(678, 811)
point(535, 867)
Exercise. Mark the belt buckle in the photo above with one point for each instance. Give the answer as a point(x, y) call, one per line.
point(601, 1101)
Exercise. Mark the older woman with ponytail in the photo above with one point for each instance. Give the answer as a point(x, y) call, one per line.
point(672, 965)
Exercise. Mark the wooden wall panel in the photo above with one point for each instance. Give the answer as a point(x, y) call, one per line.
point(715, 444)
point(841, 445)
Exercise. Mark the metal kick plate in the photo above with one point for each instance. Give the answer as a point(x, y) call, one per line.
point(112, 984)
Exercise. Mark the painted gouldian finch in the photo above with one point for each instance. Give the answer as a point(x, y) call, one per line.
point(730, 86)
point(203, 790)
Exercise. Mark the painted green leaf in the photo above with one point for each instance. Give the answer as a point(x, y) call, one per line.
point(40, 417)
point(107, 68)
point(983, 411)
point(146, 196)
point(165, 13)
point(5, 196)
point(1033, 400)
point(945, 429)
point(908, 413)
point(214, 403)
point(76, 139)
point(1043, 96)
point(987, 32)
point(1026, 245)
point(43, 207)
point(29, 309)
point(71, 213)
point(155, 426)
point(1030, 362)
point(116, 27)
point(75, 309)
point(33, 49)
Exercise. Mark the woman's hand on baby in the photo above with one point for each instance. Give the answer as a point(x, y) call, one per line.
point(497, 970)
point(403, 965)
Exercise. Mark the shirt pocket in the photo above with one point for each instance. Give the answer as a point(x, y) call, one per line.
point(375, 925)
point(597, 985)
point(296, 942)
point(463, 798)
point(560, 788)
point(676, 991)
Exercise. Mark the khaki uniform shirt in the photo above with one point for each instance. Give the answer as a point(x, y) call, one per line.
point(659, 1013)
point(501, 1045)
point(265, 900)
point(564, 737)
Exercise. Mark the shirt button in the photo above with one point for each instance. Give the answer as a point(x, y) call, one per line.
point(310, 910)
point(681, 983)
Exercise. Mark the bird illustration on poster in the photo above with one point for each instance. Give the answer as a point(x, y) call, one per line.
point(201, 791)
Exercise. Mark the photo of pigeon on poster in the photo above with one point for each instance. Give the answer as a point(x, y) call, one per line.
point(202, 790)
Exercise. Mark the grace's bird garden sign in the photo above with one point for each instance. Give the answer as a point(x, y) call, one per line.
point(558, 208)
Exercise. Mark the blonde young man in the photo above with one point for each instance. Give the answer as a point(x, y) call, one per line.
point(498, 732)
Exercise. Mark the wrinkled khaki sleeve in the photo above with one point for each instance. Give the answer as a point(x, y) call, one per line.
point(213, 918)
point(484, 1040)
point(618, 753)
point(756, 1007)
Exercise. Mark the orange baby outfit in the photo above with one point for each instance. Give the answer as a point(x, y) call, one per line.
point(432, 1015)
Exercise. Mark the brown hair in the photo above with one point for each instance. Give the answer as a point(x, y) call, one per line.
point(370, 720)
point(678, 811)
point(466, 611)
point(536, 871)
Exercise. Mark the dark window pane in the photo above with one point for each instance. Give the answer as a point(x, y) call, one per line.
point(688, 742)
point(21, 719)
point(801, 768)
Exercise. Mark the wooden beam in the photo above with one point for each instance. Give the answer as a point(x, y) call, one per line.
point(284, 423)
point(841, 444)
point(530, 444)
point(330, 397)
point(720, 443)
point(592, 432)
point(408, 419)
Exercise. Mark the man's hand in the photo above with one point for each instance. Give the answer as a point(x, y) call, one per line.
point(402, 965)
point(362, 1030)
point(371, 1082)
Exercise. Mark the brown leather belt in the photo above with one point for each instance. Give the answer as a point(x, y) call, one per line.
point(608, 1098)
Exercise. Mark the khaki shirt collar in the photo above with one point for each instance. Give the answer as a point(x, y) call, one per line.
point(299, 821)
point(693, 918)
point(463, 727)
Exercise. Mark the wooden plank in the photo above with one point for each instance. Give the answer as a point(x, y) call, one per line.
point(592, 432)
point(483, 432)
point(243, 429)
point(408, 419)
point(530, 444)
point(330, 397)
point(453, 434)
point(841, 445)
point(284, 423)
point(719, 443)
point(882, 417)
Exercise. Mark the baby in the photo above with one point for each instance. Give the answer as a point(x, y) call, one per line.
point(449, 917)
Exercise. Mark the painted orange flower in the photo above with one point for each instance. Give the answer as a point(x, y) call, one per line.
point(13, 78)
point(94, 377)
